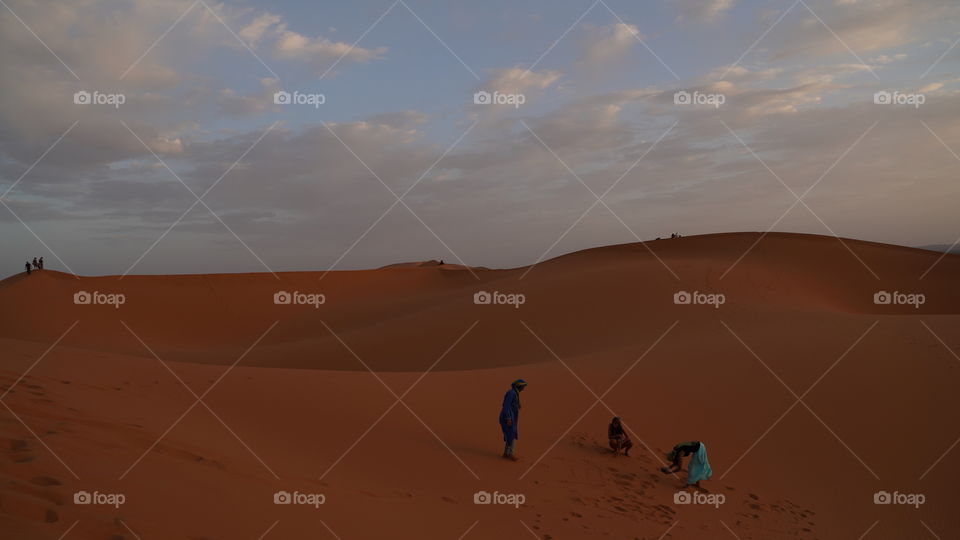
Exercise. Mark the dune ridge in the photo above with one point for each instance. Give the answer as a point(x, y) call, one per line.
point(619, 289)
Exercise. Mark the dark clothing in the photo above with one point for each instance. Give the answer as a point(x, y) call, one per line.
point(28, 269)
point(619, 440)
point(510, 411)
point(683, 449)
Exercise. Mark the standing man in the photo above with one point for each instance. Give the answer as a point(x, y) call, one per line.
point(510, 417)
point(28, 268)
point(41, 263)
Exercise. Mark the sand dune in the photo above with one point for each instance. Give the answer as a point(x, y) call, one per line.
point(798, 314)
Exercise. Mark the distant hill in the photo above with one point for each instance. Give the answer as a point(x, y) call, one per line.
point(948, 248)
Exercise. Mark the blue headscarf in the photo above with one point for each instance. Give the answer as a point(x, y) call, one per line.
point(517, 385)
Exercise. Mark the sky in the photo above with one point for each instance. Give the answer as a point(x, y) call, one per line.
point(155, 136)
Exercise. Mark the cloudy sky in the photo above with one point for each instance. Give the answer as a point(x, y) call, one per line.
point(619, 120)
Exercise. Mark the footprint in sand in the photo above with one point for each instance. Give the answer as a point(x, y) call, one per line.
point(45, 481)
point(21, 451)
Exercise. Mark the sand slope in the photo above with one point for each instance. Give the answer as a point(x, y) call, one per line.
point(878, 416)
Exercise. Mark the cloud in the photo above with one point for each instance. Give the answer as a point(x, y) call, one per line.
point(293, 45)
point(232, 103)
point(742, 73)
point(517, 80)
point(864, 27)
point(269, 30)
point(399, 119)
point(608, 44)
point(253, 32)
point(884, 59)
point(703, 10)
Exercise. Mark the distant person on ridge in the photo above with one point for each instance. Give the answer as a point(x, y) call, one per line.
point(28, 267)
point(41, 263)
point(510, 417)
point(698, 468)
point(619, 440)
point(36, 265)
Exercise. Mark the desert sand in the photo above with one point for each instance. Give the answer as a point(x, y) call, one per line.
point(199, 398)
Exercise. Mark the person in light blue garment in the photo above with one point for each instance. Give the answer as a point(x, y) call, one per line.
point(699, 467)
point(510, 418)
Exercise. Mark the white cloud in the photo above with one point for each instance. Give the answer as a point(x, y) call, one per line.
point(862, 26)
point(519, 80)
point(608, 44)
point(291, 44)
point(703, 10)
point(742, 73)
point(258, 27)
point(888, 59)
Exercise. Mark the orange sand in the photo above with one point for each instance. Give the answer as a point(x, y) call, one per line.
point(289, 415)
